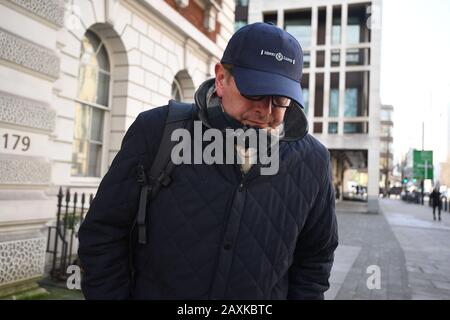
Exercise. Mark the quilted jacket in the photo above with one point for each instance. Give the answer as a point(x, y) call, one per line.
point(213, 233)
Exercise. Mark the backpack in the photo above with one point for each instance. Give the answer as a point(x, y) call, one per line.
point(180, 115)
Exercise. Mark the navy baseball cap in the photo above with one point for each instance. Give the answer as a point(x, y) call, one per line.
point(266, 61)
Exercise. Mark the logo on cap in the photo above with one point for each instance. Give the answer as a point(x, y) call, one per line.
point(279, 56)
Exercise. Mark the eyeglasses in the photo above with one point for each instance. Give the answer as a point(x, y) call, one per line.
point(277, 101)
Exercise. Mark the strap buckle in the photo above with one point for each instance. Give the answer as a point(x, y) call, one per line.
point(164, 179)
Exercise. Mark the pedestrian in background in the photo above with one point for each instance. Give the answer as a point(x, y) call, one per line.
point(435, 197)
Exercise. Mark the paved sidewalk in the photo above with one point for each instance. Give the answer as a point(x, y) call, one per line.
point(412, 251)
point(426, 244)
point(344, 257)
point(366, 240)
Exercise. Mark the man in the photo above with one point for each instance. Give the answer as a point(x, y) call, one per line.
point(436, 201)
point(222, 231)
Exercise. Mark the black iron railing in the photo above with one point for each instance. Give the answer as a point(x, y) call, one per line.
point(70, 214)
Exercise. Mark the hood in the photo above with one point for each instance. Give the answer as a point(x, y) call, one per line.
point(212, 115)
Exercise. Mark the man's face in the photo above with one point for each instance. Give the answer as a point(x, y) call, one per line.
point(260, 114)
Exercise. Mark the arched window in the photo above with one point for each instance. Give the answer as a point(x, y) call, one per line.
point(91, 107)
point(177, 94)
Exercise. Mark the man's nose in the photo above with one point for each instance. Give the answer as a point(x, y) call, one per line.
point(264, 106)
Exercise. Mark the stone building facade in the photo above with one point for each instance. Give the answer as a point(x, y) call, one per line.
point(73, 77)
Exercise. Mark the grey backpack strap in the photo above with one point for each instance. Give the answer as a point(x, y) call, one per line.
point(179, 115)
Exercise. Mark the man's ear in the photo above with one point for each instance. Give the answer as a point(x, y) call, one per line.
point(220, 79)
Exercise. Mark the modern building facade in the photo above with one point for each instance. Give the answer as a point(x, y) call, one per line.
point(73, 77)
point(341, 40)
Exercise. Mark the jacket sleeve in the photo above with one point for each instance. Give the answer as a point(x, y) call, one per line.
point(104, 234)
point(314, 253)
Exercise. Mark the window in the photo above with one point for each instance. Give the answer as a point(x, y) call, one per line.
point(356, 100)
point(322, 20)
point(386, 148)
point(320, 59)
point(357, 30)
point(357, 57)
point(91, 107)
point(298, 24)
point(386, 131)
point(177, 94)
point(242, 3)
point(317, 127)
point(336, 26)
point(334, 95)
point(239, 24)
point(270, 17)
point(356, 127)
point(385, 115)
point(335, 58)
point(306, 60)
point(318, 105)
point(240, 14)
point(305, 92)
point(332, 128)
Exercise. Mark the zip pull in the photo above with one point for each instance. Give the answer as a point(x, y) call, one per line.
point(141, 176)
point(142, 235)
point(143, 182)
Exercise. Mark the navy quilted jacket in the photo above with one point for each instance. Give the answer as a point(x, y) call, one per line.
point(213, 234)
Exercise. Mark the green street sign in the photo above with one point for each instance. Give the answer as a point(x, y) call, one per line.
point(423, 164)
